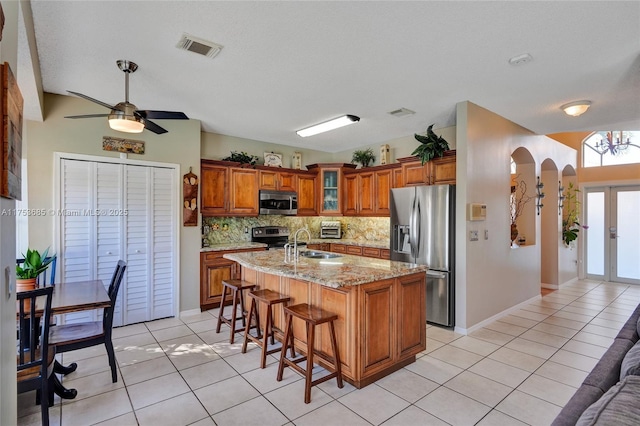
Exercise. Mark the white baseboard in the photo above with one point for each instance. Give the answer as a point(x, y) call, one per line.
point(550, 286)
point(189, 312)
point(495, 317)
point(571, 281)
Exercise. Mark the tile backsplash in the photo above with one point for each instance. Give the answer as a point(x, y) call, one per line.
point(219, 230)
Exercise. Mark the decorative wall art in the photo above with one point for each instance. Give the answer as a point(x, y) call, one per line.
point(130, 146)
point(296, 160)
point(190, 193)
point(10, 136)
point(272, 159)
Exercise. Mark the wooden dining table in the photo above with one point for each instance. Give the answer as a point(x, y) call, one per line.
point(74, 297)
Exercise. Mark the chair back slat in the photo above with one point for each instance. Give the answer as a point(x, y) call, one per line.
point(33, 328)
point(114, 287)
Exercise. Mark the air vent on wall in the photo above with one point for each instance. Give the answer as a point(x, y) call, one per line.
point(199, 46)
point(401, 111)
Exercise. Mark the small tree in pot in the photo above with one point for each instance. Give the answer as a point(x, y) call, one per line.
point(363, 156)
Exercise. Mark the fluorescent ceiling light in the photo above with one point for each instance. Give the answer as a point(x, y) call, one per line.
point(328, 125)
point(576, 108)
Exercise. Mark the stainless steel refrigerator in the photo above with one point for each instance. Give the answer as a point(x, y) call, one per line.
point(422, 231)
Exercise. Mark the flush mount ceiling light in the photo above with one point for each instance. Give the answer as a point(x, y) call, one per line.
point(345, 120)
point(576, 108)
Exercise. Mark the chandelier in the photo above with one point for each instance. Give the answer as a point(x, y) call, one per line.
point(612, 142)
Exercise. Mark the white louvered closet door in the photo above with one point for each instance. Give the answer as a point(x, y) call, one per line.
point(136, 223)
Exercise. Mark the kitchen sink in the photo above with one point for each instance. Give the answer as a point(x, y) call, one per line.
point(317, 254)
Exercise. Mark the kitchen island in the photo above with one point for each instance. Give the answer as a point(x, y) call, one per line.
point(380, 305)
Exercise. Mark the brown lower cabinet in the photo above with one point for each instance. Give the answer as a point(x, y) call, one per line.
point(380, 326)
point(213, 269)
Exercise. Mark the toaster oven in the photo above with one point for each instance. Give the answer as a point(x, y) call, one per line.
point(330, 229)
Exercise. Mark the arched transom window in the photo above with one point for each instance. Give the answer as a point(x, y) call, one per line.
point(608, 148)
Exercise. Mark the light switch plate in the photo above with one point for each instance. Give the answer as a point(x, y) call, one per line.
point(486, 234)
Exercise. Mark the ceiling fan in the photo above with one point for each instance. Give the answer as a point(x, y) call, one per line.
point(124, 116)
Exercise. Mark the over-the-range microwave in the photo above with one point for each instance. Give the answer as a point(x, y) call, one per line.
point(278, 202)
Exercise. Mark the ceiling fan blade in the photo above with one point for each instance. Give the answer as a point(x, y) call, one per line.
point(153, 127)
point(89, 98)
point(163, 115)
point(87, 116)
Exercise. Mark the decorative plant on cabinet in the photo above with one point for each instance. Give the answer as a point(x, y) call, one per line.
point(363, 156)
point(431, 146)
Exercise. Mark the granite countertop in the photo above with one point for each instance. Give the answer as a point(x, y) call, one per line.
point(345, 270)
point(233, 246)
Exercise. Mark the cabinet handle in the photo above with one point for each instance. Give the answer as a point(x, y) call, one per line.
point(108, 252)
point(137, 251)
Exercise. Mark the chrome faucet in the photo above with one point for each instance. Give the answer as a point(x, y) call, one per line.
point(295, 241)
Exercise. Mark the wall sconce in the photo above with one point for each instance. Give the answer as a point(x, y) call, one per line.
point(561, 198)
point(539, 195)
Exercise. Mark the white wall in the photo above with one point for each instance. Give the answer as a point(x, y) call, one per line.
point(8, 395)
point(492, 277)
point(180, 145)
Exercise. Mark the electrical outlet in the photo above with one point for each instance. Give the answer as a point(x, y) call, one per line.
point(473, 235)
point(348, 226)
point(246, 229)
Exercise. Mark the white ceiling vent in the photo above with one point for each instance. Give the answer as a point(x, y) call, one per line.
point(401, 111)
point(199, 46)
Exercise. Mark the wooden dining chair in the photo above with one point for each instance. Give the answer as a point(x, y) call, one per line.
point(35, 357)
point(69, 337)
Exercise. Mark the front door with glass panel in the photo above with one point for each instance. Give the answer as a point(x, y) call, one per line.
point(613, 237)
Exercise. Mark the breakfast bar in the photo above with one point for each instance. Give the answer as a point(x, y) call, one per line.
point(380, 305)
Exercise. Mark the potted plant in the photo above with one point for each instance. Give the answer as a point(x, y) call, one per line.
point(431, 145)
point(242, 158)
point(34, 264)
point(363, 156)
point(570, 224)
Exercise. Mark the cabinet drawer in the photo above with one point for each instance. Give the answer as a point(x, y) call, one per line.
point(338, 248)
point(371, 251)
point(354, 250)
point(385, 254)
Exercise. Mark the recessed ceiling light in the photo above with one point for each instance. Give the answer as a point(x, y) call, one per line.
point(521, 59)
point(345, 120)
point(576, 108)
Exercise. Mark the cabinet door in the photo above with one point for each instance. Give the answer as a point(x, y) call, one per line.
point(398, 181)
point(213, 191)
point(411, 311)
point(415, 173)
point(212, 273)
point(350, 198)
point(268, 180)
point(383, 180)
point(243, 192)
point(378, 306)
point(287, 181)
point(307, 198)
point(443, 170)
point(330, 204)
point(366, 193)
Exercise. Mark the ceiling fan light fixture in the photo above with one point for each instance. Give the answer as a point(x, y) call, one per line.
point(342, 121)
point(576, 108)
point(125, 123)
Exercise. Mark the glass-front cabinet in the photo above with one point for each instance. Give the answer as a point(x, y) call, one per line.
point(330, 184)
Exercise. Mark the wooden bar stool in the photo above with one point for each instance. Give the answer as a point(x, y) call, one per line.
point(236, 288)
point(312, 316)
point(268, 298)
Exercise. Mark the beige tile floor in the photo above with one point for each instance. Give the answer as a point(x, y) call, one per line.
point(518, 370)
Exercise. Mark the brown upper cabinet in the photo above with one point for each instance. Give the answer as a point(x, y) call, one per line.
point(228, 190)
point(366, 191)
point(278, 180)
point(330, 195)
point(440, 170)
point(307, 194)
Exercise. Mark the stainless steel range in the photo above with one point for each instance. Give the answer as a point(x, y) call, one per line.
point(272, 236)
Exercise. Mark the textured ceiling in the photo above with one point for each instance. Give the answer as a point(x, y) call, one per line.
point(286, 65)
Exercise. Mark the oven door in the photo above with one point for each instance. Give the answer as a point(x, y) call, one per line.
point(278, 202)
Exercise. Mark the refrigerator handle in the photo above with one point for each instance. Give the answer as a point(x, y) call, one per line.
point(414, 227)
